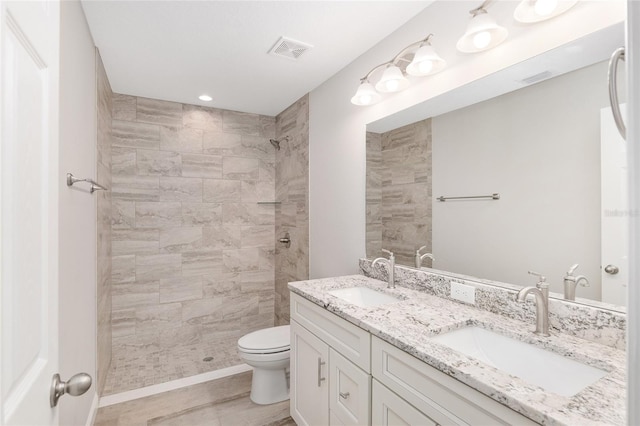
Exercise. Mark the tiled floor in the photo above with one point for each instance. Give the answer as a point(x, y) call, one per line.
point(222, 402)
point(135, 367)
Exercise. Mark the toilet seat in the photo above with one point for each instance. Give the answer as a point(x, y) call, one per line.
point(266, 341)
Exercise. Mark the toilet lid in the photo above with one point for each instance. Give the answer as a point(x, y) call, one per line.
point(267, 340)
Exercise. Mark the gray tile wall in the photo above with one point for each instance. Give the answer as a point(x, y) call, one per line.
point(193, 251)
point(399, 191)
point(103, 157)
point(292, 191)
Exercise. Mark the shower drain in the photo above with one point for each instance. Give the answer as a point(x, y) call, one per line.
point(207, 358)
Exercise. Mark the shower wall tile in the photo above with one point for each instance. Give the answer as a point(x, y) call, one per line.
point(181, 139)
point(292, 214)
point(194, 214)
point(241, 123)
point(221, 191)
point(124, 107)
point(158, 163)
point(240, 168)
point(160, 112)
point(123, 161)
point(197, 117)
point(180, 189)
point(104, 251)
point(202, 166)
point(155, 215)
point(193, 252)
point(135, 135)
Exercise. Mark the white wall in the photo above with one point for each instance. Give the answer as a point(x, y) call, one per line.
point(77, 209)
point(337, 128)
point(539, 147)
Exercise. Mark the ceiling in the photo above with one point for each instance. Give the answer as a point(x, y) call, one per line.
point(178, 50)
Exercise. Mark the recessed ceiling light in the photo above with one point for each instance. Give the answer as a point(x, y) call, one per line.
point(205, 98)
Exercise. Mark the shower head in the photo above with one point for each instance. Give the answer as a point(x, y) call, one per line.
point(276, 142)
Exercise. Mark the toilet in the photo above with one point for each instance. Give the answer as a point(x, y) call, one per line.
point(267, 351)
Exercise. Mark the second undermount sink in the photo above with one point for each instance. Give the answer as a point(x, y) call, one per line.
point(363, 296)
point(540, 367)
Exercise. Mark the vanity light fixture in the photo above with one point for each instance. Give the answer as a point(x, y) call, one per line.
point(530, 11)
point(425, 61)
point(483, 33)
point(205, 98)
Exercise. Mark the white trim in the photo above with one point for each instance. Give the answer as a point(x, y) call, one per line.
point(118, 398)
point(91, 418)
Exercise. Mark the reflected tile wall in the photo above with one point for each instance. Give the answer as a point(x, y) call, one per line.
point(104, 236)
point(292, 191)
point(399, 192)
point(193, 251)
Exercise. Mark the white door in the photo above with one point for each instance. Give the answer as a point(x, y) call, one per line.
point(615, 210)
point(309, 377)
point(29, 178)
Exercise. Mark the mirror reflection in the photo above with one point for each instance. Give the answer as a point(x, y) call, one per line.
point(530, 180)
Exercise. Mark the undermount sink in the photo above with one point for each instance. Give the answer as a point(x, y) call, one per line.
point(548, 370)
point(363, 296)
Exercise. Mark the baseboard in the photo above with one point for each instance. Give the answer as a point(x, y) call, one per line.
point(121, 397)
point(91, 418)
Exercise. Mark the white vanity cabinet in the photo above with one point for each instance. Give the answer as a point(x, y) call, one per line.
point(341, 375)
point(329, 385)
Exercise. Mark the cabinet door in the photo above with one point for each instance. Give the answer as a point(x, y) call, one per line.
point(349, 391)
point(309, 369)
point(388, 409)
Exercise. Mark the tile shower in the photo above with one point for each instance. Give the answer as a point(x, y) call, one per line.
point(193, 252)
point(399, 191)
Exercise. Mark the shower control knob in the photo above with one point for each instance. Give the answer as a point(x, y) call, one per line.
point(611, 269)
point(75, 386)
point(286, 240)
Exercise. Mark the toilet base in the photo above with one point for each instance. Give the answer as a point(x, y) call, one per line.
point(269, 386)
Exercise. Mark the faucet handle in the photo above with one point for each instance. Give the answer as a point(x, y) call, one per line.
point(572, 269)
point(543, 280)
point(420, 249)
point(389, 252)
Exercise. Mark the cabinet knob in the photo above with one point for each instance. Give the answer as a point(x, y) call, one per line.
point(344, 395)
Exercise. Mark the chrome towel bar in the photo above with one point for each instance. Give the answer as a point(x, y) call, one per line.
point(495, 196)
point(95, 186)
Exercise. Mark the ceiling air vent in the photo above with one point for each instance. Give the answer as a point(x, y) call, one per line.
point(289, 48)
point(537, 77)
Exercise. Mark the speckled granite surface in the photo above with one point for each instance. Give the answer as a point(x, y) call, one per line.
point(598, 325)
point(409, 323)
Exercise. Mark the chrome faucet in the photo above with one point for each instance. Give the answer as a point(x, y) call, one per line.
point(391, 263)
point(420, 258)
point(571, 282)
point(541, 293)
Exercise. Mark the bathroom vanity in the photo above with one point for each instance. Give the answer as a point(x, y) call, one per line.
point(360, 358)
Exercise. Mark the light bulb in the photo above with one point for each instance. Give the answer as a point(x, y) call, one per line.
point(425, 67)
point(365, 95)
point(545, 7)
point(482, 39)
point(392, 80)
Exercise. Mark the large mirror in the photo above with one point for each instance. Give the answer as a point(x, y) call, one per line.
point(537, 145)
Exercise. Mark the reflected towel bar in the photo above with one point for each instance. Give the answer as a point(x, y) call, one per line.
point(495, 196)
point(95, 186)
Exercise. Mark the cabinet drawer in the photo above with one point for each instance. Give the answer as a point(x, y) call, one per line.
point(349, 393)
point(388, 409)
point(351, 341)
point(443, 398)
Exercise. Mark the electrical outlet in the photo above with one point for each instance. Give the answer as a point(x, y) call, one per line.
point(463, 293)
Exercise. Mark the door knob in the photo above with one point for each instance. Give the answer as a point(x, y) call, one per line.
point(75, 386)
point(611, 269)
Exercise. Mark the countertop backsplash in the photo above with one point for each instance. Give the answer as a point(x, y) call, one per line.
point(603, 326)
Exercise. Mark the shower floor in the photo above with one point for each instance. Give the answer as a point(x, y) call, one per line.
point(134, 367)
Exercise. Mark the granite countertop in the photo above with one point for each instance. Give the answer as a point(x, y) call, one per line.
point(409, 323)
